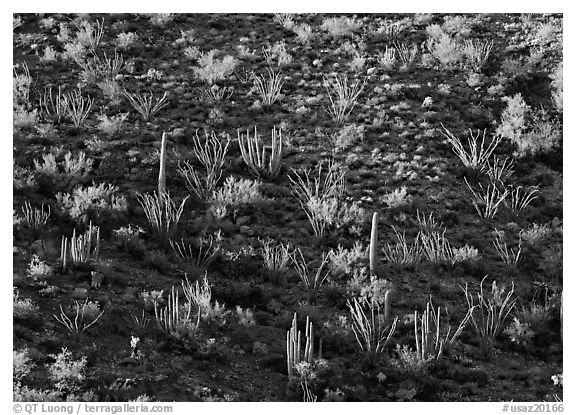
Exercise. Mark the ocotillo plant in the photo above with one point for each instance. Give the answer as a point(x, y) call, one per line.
point(162, 173)
point(373, 264)
point(373, 243)
point(293, 337)
point(79, 249)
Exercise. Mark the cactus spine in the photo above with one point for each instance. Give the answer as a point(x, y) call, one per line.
point(162, 174)
point(373, 243)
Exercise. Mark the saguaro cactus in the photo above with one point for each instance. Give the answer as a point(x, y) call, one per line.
point(162, 174)
point(373, 243)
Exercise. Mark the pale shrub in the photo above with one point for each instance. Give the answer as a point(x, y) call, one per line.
point(72, 168)
point(513, 119)
point(212, 69)
point(397, 198)
point(234, 194)
point(345, 261)
point(125, 40)
point(22, 307)
point(557, 87)
point(21, 364)
point(111, 125)
point(37, 268)
point(67, 373)
point(340, 26)
point(84, 200)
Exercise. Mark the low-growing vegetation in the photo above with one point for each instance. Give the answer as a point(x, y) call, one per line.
point(288, 207)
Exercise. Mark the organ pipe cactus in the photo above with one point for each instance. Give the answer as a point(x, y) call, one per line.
point(293, 345)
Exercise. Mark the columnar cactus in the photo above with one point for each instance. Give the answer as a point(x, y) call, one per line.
point(373, 243)
point(162, 174)
point(293, 349)
point(373, 263)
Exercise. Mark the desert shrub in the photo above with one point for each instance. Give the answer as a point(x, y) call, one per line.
point(513, 119)
point(89, 35)
point(344, 261)
point(542, 136)
point(50, 55)
point(212, 69)
point(340, 26)
point(192, 53)
point(126, 40)
point(348, 135)
point(357, 63)
point(457, 25)
point(535, 234)
point(22, 118)
point(21, 84)
point(533, 132)
point(38, 269)
point(161, 19)
point(245, 317)
point(397, 198)
point(23, 114)
point(65, 172)
point(111, 125)
point(22, 307)
point(149, 298)
point(536, 316)
point(465, 254)
point(285, 19)
point(410, 360)
point(303, 33)
point(67, 373)
point(235, 194)
point(519, 332)
point(21, 364)
point(387, 58)
point(557, 87)
point(112, 91)
point(128, 238)
point(277, 55)
point(22, 177)
point(22, 393)
point(87, 204)
point(445, 50)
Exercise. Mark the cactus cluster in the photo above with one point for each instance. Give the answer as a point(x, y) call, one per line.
point(293, 345)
